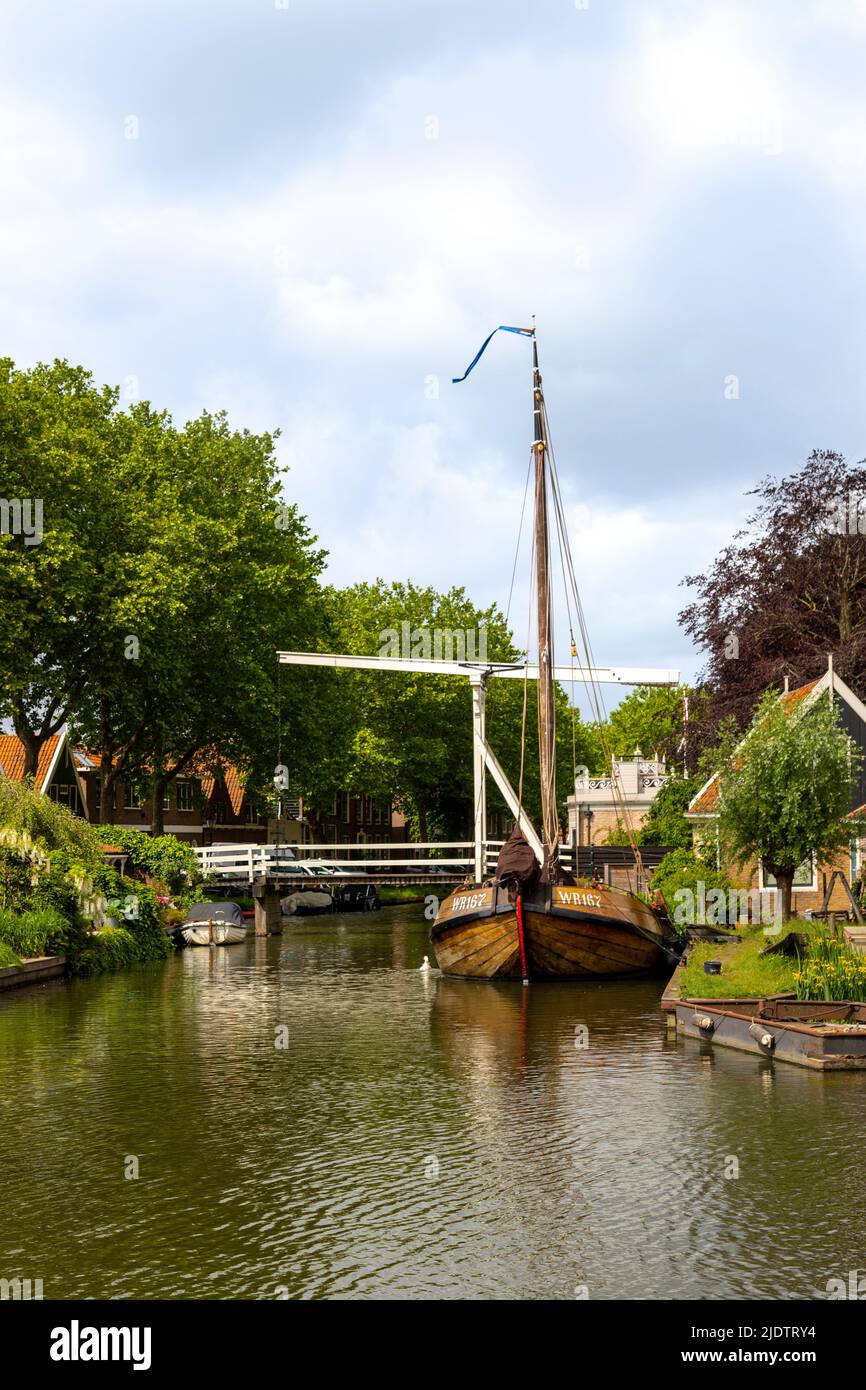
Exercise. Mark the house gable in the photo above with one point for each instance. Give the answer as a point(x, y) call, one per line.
point(852, 717)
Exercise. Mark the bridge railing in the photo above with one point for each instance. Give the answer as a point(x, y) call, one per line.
point(255, 861)
point(251, 861)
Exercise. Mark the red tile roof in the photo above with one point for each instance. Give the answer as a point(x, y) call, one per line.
point(792, 698)
point(707, 799)
point(705, 802)
point(12, 757)
point(231, 778)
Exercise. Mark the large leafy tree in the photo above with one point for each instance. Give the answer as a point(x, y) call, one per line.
point(789, 589)
point(241, 579)
point(785, 791)
point(413, 732)
point(650, 718)
point(65, 450)
point(666, 822)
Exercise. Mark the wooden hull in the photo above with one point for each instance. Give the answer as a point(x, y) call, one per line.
point(568, 934)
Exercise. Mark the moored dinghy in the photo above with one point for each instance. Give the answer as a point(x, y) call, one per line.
point(213, 924)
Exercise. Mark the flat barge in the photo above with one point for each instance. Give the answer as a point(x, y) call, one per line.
point(823, 1036)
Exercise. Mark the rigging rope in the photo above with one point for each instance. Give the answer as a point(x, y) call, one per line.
point(589, 682)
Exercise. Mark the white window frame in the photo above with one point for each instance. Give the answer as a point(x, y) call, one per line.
point(811, 887)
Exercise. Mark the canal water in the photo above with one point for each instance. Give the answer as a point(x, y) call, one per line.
point(311, 1117)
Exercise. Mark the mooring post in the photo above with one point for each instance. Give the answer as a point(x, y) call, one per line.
point(266, 903)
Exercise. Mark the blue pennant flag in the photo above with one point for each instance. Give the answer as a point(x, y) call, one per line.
point(503, 328)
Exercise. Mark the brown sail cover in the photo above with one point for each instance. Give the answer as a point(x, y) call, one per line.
point(517, 860)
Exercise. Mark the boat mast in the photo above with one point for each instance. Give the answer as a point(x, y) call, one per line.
point(546, 706)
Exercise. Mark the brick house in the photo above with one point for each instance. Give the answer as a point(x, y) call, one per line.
point(59, 774)
point(351, 819)
point(595, 808)
point(201, 807)
point(811, 879)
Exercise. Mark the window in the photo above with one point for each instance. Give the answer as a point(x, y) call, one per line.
point(805, 876)
point(184, 796)
point(97, 794)
point(130, 797)
point(65, 794)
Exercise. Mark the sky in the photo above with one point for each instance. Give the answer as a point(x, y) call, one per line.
point(311, 213)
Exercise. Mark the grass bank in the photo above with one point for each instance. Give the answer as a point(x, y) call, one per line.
point(745, 972)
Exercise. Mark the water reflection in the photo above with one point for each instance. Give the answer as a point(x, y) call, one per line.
point(417, 1135)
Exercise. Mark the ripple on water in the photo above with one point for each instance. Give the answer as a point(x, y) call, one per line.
point(416, 1137)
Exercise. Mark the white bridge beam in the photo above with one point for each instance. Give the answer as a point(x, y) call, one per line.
point(601, 675)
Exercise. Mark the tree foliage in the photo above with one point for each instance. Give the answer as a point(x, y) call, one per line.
point(412, 736)
point(785, 792)
point(790, 588)
point(650, 718)
point(666, 822)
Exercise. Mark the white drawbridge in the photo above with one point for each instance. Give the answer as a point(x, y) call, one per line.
point(478, 673)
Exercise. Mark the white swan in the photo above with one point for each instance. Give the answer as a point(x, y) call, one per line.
point(426, 964)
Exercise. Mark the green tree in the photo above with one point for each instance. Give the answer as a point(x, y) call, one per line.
point(649, 719)
point(64, 454)
point(234, 574)
point(412, 736)
point(666, 822)
point(785, 792)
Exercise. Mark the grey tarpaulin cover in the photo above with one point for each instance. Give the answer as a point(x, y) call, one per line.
point(216, 912)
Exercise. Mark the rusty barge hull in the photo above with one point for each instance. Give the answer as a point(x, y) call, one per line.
point(568, 934)
point(780, 1029)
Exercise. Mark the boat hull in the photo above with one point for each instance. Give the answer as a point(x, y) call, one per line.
point(569, 933)
point(212, 934)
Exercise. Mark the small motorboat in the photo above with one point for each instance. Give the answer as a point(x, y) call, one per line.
point(306, 902)
point(213, 924)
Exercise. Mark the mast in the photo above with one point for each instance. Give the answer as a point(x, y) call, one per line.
point(546, 706)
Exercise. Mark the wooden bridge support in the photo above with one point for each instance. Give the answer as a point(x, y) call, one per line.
point(266, 902)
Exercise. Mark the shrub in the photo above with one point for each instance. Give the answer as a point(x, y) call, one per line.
point(37, 933)
point(142, 919)
point(683, 871)
point(163, 858)
point(56, 890)
point(111, 949)
point(70, 841)
point(7, 956)
point(666, 823)
point(16, 879)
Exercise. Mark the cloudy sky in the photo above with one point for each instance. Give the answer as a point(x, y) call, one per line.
point(311, 212)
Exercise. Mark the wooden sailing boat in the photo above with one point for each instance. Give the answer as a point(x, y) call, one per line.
point(532, 920)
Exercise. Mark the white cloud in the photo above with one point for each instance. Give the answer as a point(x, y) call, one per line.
point(321, 293)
